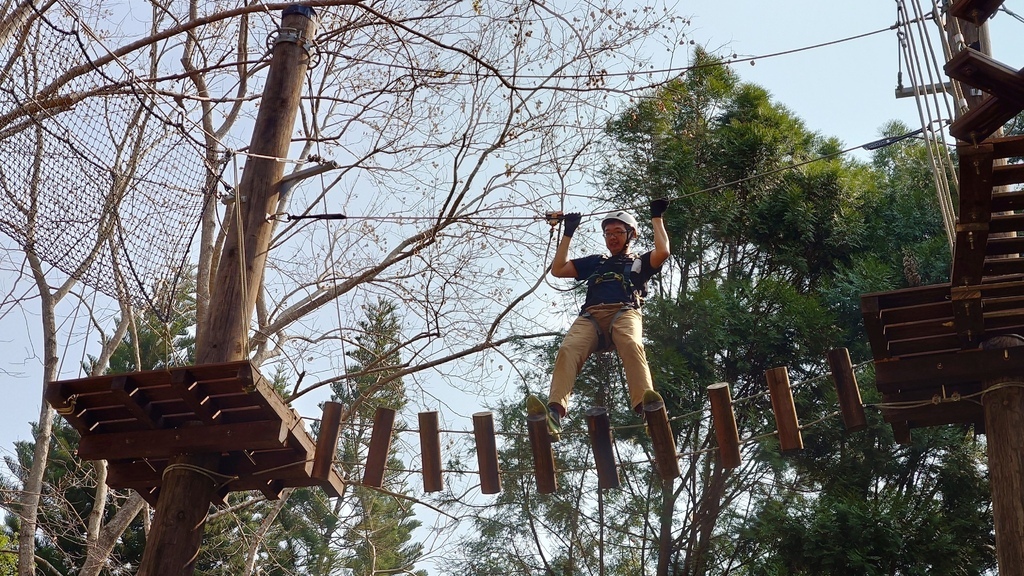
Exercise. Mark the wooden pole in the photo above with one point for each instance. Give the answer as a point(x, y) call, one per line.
point(1003, 402)
point(850, 404)
point(486, 452)
point(724, 418)
point(600, 428)
point(380, 447)
point(186, 491)
point(430, 452)
point(786, 420)
point(327, 442)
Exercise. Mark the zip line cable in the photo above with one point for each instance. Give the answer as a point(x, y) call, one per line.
point(546, 217)
point(672, 70)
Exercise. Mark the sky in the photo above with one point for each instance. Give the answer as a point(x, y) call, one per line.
point(845, 90)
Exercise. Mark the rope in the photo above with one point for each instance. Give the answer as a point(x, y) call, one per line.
point(219, 480)
point(915, 40)
point(242, 274)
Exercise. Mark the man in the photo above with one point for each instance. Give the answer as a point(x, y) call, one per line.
point(610, 318)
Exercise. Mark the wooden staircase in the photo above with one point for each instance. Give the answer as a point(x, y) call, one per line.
point(928, 343)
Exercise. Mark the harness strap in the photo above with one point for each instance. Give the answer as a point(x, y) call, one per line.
point(605, 344)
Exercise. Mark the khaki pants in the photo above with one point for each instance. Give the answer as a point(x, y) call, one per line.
point(582, 340)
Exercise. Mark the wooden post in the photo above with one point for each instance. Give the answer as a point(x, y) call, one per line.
point(543, 455)
point(786, 420)
point(600, 428)
point(186, 492)
point(724, 419)
point(486, 452)
point(850, 404)
point(327, 442)
point(380, 447)
point(1003, 402)
point(430, 452)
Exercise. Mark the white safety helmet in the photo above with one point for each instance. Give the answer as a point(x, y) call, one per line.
point(625, 218)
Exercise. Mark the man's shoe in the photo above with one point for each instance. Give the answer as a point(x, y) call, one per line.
point(534, 405)
point(652, 397)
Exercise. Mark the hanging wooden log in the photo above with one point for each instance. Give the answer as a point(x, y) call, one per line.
point(786, 420)
point(543, 455)
point(901, 432)
point(430, 452)
point(850, 405)
point(661, 436)
point(486, 452)
point(380, 447)
point(327, 442)
point(600, 429)
point(724, 418)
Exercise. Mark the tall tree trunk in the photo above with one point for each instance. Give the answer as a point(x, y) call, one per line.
point(268, 521)
point(32, 491)
point(107, 535)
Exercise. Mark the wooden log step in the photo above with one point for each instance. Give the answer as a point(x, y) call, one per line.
point(976, 11)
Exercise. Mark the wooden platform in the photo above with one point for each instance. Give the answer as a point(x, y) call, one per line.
point(925, 340)
point(138, 421)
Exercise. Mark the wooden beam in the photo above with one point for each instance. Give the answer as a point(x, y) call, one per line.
point(430, 452)
point(1007, 146)
point(327, 442)
point(161, 443)
point(975, 11)
point(486, 452)
point(723, 417)
point(380, 447)
point(983, 120)
point(665, 455)
point(850, 405)
point(981, 71)
point(950, 368)
point(786, 420)
point(600, 430)
point(543, 455)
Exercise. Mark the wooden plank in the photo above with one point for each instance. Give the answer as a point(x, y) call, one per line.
point(1007, 174)
point(1007, 201)
point(1004, 245)
point(1005, 223)
point(981, 71)
point(920, 313)
point(962, 366)
point(925, 345)
point(1007, 146)
point(914, 330)
point(909, 296)
point(975, 11)
point(135, 474)
point(983, 120)
point(1003, 266)
point(198, 439)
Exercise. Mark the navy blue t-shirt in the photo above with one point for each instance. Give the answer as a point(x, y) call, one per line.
point(606, 278)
